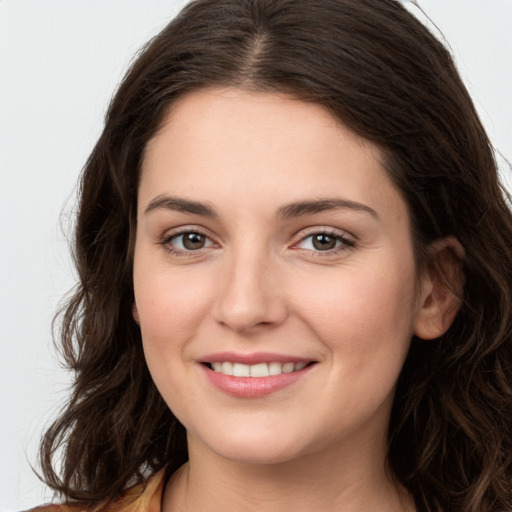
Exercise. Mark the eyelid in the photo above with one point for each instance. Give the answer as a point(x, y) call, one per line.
point(166, 239)
point(347, 241)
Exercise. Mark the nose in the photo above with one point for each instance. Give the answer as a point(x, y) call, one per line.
point(250, 296)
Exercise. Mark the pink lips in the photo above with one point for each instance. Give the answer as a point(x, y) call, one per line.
point(252, 387)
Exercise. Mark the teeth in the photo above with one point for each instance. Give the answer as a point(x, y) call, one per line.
point(241, 370)
point(288, 367)
point(257, 370)
point(275, 369)
point(227, 368)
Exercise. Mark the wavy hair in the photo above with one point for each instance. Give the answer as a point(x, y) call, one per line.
point(375, 67)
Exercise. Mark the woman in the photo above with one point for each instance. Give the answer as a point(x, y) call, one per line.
point(295, 273)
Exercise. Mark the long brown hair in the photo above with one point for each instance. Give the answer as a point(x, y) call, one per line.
point(381, 72)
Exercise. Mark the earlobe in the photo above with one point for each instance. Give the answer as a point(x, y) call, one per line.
point(135, 313)
point(441, 291)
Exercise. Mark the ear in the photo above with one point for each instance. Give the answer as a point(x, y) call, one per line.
point(135, 313)
point(442, 285)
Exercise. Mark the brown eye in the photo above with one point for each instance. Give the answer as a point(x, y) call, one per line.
point(193, 241)
point(324, 242)
point(187, 242)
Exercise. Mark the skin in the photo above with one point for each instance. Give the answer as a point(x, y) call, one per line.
point(259, 284)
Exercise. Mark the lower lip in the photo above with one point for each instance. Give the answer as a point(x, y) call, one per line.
point(253, 387)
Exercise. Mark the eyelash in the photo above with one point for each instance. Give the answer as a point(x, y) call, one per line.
point(344, 242)
point(166, 241)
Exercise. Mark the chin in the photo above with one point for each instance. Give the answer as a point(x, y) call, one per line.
point(254, 447)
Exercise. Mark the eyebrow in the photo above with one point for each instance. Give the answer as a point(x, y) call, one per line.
point(300, 208)
point(295, 209)
point(181, 205)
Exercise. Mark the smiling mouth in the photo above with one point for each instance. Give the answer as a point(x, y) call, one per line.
point(256, 370)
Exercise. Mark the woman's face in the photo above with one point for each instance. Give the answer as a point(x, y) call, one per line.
point(275, 283)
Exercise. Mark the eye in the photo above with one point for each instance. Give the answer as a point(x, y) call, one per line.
point(325, 242)
point(186, 241)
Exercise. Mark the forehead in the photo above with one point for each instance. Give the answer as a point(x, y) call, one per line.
point(214, 142)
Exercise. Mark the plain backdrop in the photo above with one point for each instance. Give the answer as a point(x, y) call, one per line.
point(60, 62)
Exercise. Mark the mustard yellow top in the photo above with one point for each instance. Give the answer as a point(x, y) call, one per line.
point(145, 497)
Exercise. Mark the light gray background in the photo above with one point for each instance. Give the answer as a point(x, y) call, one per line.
point(60, 61)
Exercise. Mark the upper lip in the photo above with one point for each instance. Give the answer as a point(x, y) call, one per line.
point(253, 358)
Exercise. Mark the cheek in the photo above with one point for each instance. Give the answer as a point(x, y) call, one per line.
point(365, 315)
point(170, 306)
point(365, 323)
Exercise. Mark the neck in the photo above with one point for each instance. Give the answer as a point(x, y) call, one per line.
point(323, 481)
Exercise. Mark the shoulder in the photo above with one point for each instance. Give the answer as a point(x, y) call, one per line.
point(146, 496)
